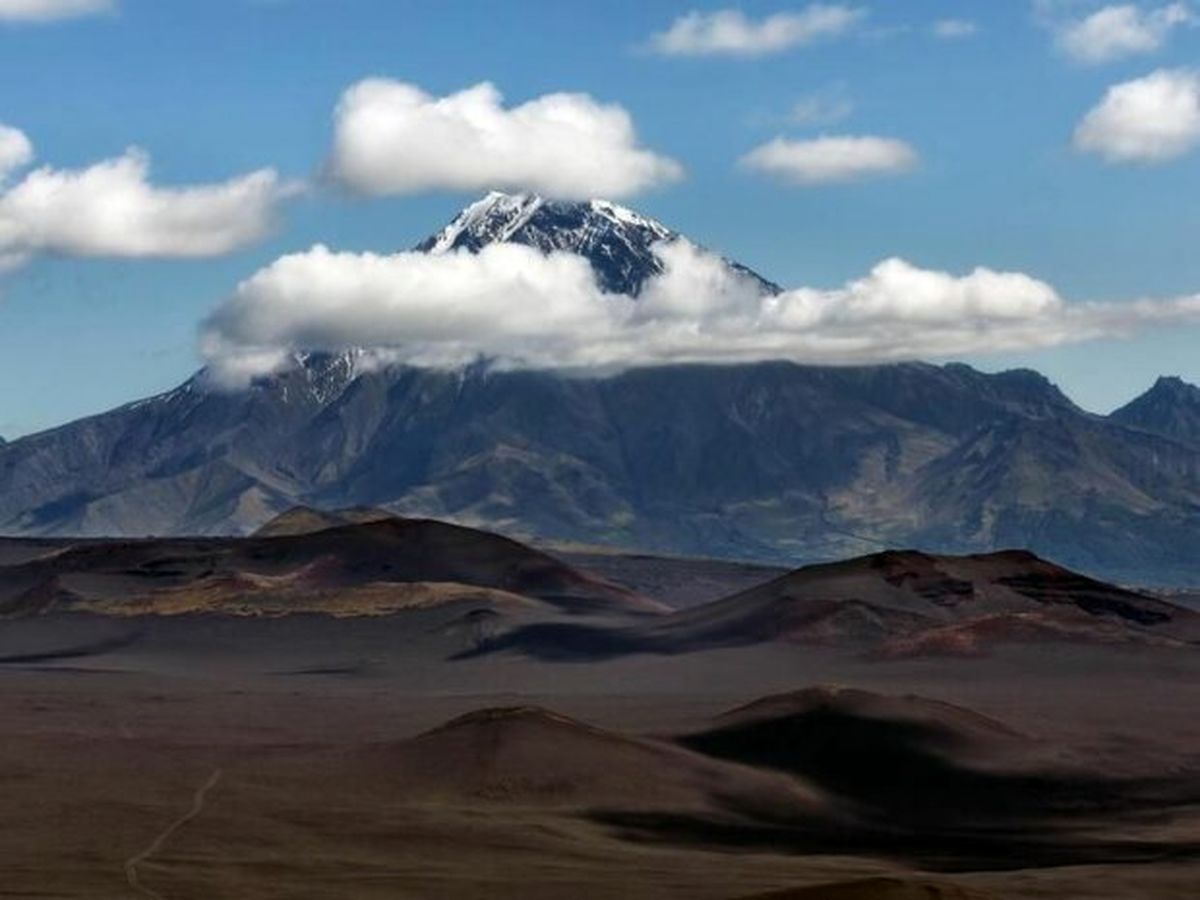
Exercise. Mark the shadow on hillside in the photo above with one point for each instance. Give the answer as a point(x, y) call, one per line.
point(909, 790)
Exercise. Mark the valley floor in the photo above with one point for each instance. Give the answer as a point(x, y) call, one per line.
point(214, 760)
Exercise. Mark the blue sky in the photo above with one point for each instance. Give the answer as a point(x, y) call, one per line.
point(211, 89)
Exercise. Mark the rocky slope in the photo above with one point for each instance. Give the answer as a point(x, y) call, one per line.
point(1171, 408)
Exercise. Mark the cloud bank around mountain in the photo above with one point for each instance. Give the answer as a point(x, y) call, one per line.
point(522, 308)
point(831, 160)
point(729, 32)
point(1148, 120)
point(51, 10)
point(111, 209)
point(392, 138)
point(1122, 30)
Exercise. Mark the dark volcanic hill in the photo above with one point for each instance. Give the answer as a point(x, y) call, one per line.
point(889, 605)
point(365, 568)
point(905, 762)
point(774, 462)
point(533, 757)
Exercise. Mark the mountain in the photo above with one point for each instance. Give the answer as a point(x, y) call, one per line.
point(1171, 408)
point(775, 462)
point(617, 241)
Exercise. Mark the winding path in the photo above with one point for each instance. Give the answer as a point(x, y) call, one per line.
point(131, 864)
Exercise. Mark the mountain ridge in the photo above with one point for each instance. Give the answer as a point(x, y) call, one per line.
point(774, 461)
point(1170, 407)
point(771, 461)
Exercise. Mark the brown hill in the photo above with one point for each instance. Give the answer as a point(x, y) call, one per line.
point(528, 756)
point(241, 595)
point(975, 636)
point(956, 724)
point(372, 567)
point(906, 591)
point(909, 768)
point(876, 889)
point(892, 604)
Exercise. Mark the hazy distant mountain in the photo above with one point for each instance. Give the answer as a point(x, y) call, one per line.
point(770, 461)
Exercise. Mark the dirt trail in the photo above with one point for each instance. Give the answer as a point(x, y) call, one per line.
point(132, 864)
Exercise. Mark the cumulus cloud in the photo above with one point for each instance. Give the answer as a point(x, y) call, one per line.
point(51, 10)
point(1149, 120)
point(1115, 32)
point(729, 32)
point(16, 150)
point(828, 160)
point(507, 300)
point(111, 209)
point(954, 29)
point(522, 308)
point(393, 138)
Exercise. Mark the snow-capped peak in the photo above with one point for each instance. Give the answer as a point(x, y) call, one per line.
point(621, 215)
point(618, 242)
point(493, 219)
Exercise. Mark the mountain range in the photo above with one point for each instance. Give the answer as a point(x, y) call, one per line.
point(773, 461)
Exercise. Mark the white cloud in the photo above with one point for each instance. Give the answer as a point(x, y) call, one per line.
point(523, 308)
point(1115, 32)
point(1149, 120)
point(954, 29)
point(393, 138)
point(16, 151)
point(827, 160)
point(728, 32)
point(111, 209)
point(443, 309)
point(51, 10)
